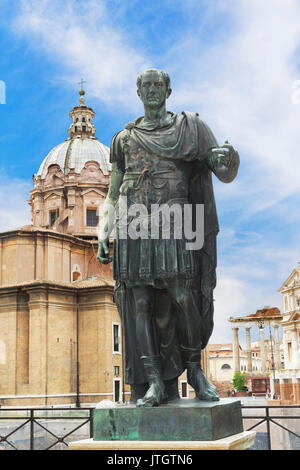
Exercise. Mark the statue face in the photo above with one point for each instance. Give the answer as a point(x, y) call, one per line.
point(153, 90)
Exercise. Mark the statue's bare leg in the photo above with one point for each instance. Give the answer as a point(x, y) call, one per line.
point(190, 327)
point(145, 333)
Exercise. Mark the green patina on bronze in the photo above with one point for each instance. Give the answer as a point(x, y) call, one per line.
point(187, 420)
point(164, 291)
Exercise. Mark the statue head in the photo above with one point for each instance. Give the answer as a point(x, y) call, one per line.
point(153, 87)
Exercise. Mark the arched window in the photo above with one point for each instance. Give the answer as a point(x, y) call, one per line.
point(76, 276)
point(225, 366)
point(76, 273)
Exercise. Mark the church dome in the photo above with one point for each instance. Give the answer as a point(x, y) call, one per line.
point(75, 153)
point(81, 147)
point(73, 180)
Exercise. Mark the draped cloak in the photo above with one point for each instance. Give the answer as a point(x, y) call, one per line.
point(185, 137)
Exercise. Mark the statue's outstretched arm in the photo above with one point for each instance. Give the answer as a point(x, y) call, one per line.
point(107, 222)
point(224, 162)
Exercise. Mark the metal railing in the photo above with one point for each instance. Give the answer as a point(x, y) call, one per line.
point(269, 419)
point(35, 421)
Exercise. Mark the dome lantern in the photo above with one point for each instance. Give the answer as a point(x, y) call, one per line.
point(82, 118)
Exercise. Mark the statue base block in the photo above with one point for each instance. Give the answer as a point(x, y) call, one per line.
point(180, 420)
point(241, 441)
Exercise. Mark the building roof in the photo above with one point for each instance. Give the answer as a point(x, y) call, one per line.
point(267, 312)
point(270, 313)
point(220, 347)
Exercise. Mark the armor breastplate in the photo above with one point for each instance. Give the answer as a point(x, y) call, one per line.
point(150, 179)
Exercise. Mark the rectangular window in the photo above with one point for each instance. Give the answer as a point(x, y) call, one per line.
point(53, 216)
point(117, 371)
point(91, 218)
point(117, 390)
point(116, 338)
point(184, 390)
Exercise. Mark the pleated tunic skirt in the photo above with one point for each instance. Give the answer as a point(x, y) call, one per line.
point(143, 261)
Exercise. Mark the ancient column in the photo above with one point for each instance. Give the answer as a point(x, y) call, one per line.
point(277, 348)
point(236, 350)
point(249, 352)
point(262, 351)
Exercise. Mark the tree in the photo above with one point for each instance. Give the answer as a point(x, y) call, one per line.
point(239, 381)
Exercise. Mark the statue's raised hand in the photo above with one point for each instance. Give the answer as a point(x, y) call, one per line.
point(103, 252)
point(224, 161)
point(230, 156)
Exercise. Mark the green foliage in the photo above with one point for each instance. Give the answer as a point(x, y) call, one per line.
point(239, 381)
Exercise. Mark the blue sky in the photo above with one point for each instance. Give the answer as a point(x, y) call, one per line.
point(236, 62)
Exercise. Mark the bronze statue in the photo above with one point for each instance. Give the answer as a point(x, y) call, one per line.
point(164, 291)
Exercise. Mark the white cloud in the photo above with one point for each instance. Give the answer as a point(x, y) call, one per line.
point(249, 277)
point(81, 37)
point(14, 210)
point(243, 86)
point(240, 82)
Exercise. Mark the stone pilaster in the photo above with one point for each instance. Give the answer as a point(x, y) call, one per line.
point(297, 390)
point(295, 361)
point(22, 351)
point(38, 339)
point(11, 345)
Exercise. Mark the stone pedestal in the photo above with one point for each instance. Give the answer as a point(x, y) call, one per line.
point(182, 424)
point(241, 441)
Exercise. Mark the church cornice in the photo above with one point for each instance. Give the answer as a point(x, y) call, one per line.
point(40, 232)
point(46, 285)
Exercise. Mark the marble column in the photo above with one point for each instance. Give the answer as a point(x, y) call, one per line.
point(236, 350)
point(249, 352)
point(262, 351)
point(272, 387)
point(277, 348)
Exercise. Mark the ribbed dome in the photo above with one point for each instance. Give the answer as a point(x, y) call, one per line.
point(75, 153)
